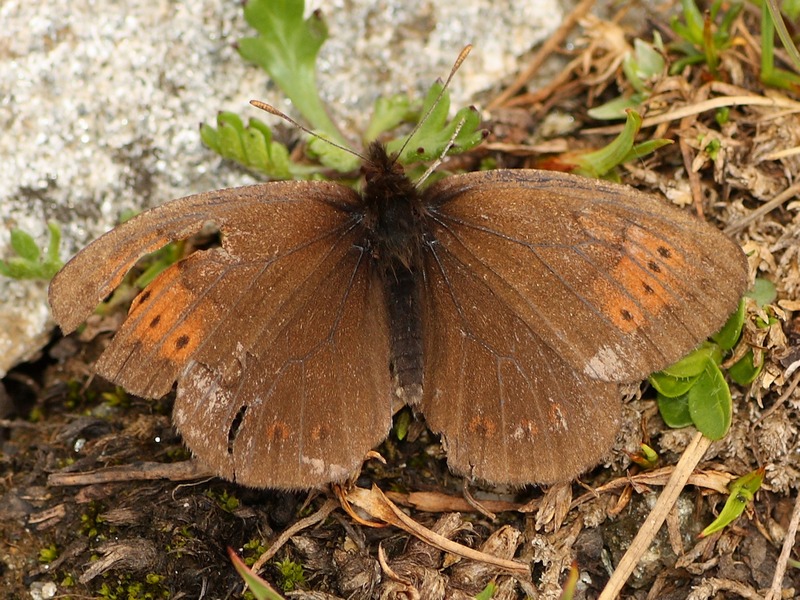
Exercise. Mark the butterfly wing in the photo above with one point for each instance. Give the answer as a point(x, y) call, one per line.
point(616, 281)
point(272, 337)
point(504, 401)
point(542, 289)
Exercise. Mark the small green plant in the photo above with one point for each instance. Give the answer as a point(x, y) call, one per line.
point(260, 588)
point(225, 500)
point(180, 539)
point(29, 262)
point(48, 555)
point(770, 74)
point(92, 523)
point(693, 391)
point(126, 588)
point(251, 146)
point(253, 551)
point(646, 458)
point(742, 492)
point(292, 575)
point(118, 398)
point(603, 163)
point(78, 396)
point(702, 38)
point(643, 65)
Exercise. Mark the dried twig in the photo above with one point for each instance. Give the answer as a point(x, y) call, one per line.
point(779, 200)
point(691, 456)
point(144, 471)
point(783, 560)
point(330, 505)
point(546, 50)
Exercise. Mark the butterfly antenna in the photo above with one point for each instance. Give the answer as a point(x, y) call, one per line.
point(462, 56)
point(274, 111)
point(439, 160)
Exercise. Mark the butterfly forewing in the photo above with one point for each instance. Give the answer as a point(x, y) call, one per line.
point(614, 281)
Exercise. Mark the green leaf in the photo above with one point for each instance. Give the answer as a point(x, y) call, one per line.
point(730, 332)
point(670, 386)
point(29, 264)
point(602, 162)
point(402, 424)
point(643, 64)
point(598, 163)
point(256, 147)
point(260, 588)
point(53, 262)
point(159, 261)
point(744, 371)
point(487, 593)
point(742, 492)
point(251, 146)
point(694, 363)
point(763, 292)
point(616, 108)
point(332, 156)
point(388, 114)
point(675, 411)
point(647, 458)
point(286, 48)
point(710, 403)
point(24, 245)
point(571, 584)
point(429, 141)
point(639, 151)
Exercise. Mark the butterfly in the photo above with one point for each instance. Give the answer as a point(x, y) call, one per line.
point(506, 306)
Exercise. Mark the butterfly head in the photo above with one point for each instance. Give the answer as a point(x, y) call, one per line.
point(393, 213)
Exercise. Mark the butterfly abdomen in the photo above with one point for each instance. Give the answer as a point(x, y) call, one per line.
point(405, 328)
point(394, 227)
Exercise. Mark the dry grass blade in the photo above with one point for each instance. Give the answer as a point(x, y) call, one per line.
point(552, 43)
point(691, 457)
point(701, 107)
point(788, 543)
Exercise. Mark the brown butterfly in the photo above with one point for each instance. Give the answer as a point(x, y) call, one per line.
point(505, 306)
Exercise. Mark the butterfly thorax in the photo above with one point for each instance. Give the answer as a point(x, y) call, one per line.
point(394, 228)
point(392, 211)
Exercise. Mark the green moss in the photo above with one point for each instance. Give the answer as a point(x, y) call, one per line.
point(253, 551)
point(291, 574)
point(48, 555)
